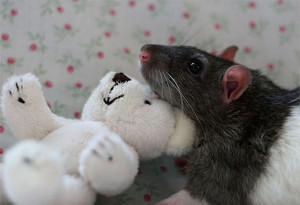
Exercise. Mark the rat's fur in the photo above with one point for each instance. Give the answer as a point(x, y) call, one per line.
point(238, 144)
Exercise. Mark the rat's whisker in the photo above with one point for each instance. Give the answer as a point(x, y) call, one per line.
point(183, 97)
point(172, 24)
point(177, 88)
point(154, 77)
point(162, 84)
point(158, 85)
point(211, 40)
point(180, 94)
point(169, 88)
point(195, 33)
point(192, 36)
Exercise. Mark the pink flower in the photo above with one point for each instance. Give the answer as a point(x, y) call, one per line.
point(14, 12)
point(1, 149)
point(213, 52)
point(68, 26)
point(1, 129)
point(126, 50)
point(10, 60)
point(60, 9)
point(270, 66)
point(172, 39)
point(247, 49)
point(70, 69)
point(185, 15)
point(151, 7)
point(282, 29)
point(112, 12)
point(33, 47)
point(252, 24)
point(252, 4)
point(100, 54)
point(132, 3)
point(147, 197)
point(78, 85)
point(107, 34)
point(147, 33)
point(77, 115)
point(48, 84)
point(217, 26)
point(5, 37)
point(280, 2)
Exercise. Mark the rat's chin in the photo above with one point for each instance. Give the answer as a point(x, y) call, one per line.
point(145, 72)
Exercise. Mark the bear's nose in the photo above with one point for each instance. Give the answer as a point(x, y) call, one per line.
point(120, 78)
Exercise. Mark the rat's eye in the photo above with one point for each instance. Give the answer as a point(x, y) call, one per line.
point(195, 67)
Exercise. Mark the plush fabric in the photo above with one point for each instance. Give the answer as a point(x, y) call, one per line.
point(70, 45)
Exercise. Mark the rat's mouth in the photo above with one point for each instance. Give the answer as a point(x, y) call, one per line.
point(117, 79)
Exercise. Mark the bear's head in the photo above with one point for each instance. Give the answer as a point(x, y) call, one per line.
point(133, 111)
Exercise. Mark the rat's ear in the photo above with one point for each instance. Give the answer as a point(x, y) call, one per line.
point(235, 81)
point(229, 53)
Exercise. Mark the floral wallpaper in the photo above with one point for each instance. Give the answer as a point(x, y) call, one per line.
point(71, 44)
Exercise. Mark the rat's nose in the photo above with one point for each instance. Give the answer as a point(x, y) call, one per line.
point(144, 55)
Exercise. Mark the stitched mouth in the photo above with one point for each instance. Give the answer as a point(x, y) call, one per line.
point(108, 101)
point(117, 79)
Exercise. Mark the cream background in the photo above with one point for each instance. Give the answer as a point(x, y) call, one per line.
point(269, 28)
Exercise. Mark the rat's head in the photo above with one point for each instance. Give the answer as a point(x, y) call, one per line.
point(187, 75)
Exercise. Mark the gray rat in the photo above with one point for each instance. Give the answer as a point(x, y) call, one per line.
point(247, 148)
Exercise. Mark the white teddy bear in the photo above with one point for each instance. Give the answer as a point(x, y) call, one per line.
point(75, 159)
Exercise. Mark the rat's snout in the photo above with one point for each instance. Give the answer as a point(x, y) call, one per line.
point(146, 52)
point(153, 52)
point(144, 56)
point(154, 58)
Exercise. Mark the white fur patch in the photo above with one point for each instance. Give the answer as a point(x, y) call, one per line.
point(108, 164)
point(32, 174)
point(281, 182)
point(70, 140)
point(183, 137)
point(33, 118)
point(76, 192)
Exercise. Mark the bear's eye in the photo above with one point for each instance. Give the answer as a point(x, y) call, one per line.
point(27, 160)
point(195, 67)
point(147, 102)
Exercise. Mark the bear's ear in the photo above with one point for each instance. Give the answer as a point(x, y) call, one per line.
point(235, 81)
point(229, 53)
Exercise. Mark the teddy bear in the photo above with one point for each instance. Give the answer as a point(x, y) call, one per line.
point(122, 121)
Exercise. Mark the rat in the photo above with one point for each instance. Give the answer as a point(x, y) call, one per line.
point(247, 146)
